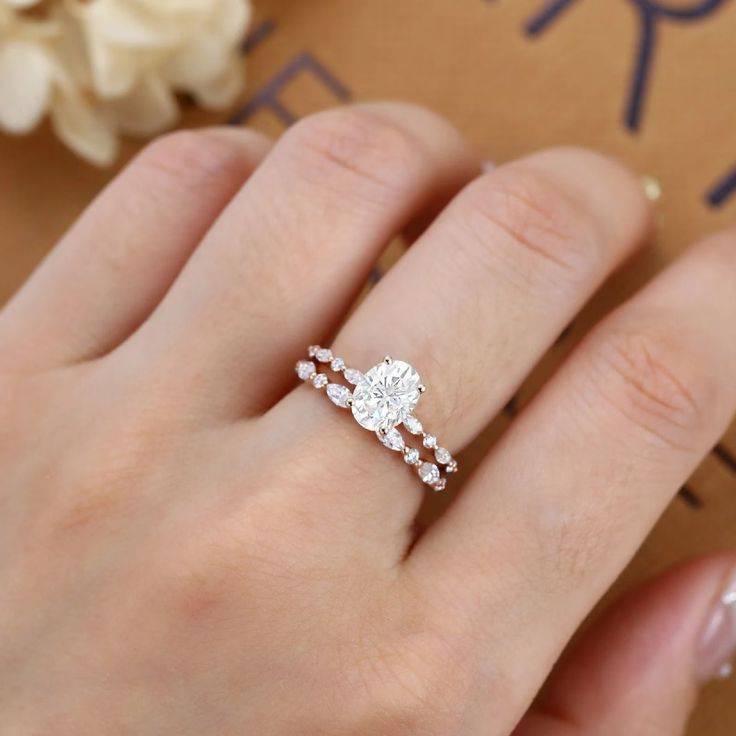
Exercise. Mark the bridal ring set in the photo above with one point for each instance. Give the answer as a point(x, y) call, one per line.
point(382, 400)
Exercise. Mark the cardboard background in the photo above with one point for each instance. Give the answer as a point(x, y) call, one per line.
point(514, 76)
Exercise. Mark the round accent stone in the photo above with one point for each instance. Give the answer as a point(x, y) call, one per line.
point(411, 457)
point(386, 395)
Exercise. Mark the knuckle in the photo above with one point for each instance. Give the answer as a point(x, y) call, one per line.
point(193, 158)
point(656, 379)
point(353, 146)
point(538, 230)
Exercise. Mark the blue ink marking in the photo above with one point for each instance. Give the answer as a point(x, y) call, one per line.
point(268, 96)
point(724, 189)
point(650, 11)
point(546, 15)
point(258, 35)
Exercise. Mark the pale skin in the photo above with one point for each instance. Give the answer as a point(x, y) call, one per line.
point(191, 545)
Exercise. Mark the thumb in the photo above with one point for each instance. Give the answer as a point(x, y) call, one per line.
point(638, 670)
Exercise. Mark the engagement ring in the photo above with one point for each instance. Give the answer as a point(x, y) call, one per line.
point(383, 401)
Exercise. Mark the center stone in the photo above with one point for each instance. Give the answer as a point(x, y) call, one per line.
point(386, 395)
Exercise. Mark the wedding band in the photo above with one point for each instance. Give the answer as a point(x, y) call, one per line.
point(382, 401)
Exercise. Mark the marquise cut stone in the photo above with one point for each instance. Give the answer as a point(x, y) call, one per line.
point(429, 473)
point(392, 439)
point(386, 395)
point(353, 375)
point(339, 395)
point(413, 425)
point(443, 455)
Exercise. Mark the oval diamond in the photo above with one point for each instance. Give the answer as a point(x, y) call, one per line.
point(386, 395)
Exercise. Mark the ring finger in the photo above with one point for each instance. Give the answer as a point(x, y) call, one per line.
point(480, 297)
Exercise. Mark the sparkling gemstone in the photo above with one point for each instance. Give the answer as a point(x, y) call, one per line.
point(305, 369)
point(429, 473)
point(353, 376)
point(443, 455)
point(386, 395)
point(413, 425)
point(337, 364)
point(411, 457)
point(320, 380)
point(392, 439)
point(451, 466)
point(429, 441)
point(338, 394)
point(440, 484)
point(324, 355)
point(313, 350)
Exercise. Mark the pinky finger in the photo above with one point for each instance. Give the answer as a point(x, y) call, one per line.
point(115, 264)
point(638, 671)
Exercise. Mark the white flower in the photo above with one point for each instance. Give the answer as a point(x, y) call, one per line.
point(104, 67)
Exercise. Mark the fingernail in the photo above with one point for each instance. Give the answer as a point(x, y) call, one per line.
point(718, 643)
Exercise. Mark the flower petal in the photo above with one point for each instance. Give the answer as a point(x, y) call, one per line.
point(222, 91)
point(87, 131)
point(230, 20)
point(149, 108)
point(25, 84)
point(200, 60)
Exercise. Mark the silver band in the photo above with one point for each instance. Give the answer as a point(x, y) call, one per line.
point(382, 400)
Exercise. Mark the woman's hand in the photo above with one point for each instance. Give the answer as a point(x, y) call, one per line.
point(189, 546)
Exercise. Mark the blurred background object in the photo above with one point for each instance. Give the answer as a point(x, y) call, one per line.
point(652, 82)
point(99, 68)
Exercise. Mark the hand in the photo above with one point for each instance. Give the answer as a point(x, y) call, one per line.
point(189, 545)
